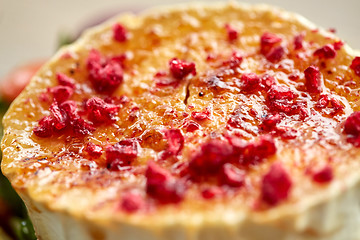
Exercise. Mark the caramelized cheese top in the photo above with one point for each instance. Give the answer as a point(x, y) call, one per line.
point(232, 107)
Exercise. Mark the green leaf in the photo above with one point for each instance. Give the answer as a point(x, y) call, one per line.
point(22, 228)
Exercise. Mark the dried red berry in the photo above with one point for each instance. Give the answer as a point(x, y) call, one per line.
point(281, 92)
point(121, 154)
point(286, 133)
point(338, 45)
point(281, 99)
point(210, 158)
point(162, 186)
point(264, 147)
point(191, 126)
point(231, 176)
point(105, 75)
point(352, 128)
point(155, 174)
point(70, 109)
point(268, 41)
point(93, 150)
point(276, 185)
point(231, 32)
point(252, 153)
point(200, 116)
point(119, 32)
point(313, 80)
point(327, 101)
point(294, 76)
point(267, 81)
point(355, 65)
point(59, 117)
point(81, 127)
point(323, 101)
point(175, 140)
point(336, 104)
point(269, 122)
point(45, 127)
point(180, 69)
point(64, 80)
point(250, 82)
point(99, 111)
point(298, 41)
point(132, 202)
point(163, 80)
point(275, 54)
point(212, 192)
point(61, 93)
point(326, 52)
point(234, 61)
point(324, 175)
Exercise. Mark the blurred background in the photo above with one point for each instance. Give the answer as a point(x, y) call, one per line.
point(32, 30)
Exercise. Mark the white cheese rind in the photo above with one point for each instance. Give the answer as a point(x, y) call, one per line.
point(336, 219)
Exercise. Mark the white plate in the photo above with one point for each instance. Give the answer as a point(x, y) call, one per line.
point(29, 29)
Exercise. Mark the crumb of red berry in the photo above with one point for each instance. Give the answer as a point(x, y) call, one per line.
point(231, 33)
point(231, 176)
point(162, 79)
point(212, 192)
point(120, 33)
point(294, 76)
point(71, 110)
point(61, 93)
point(59, 117)
point(44, 128)
point(355, 65)
point(132, 202)
point(93, 150)
point(251, 153)
point(235, 60)
point(286, 133)
point(81, 127)
point(276, 185)
point(338, 45)
point(326, 52)
point(313, 80)
point(175, 140)
point(180, 69)
point(323, 175)
point(267, 81)
point(191, 126)
point(275, 54)
point(281, 98)
point(121, 154)
point(209, 159)
point(332, 30)
point(270, 121)
point(99, 111)
point(299, 41)
point(352, 128)
point(323, 101)
point(201, 116)
point(268, 41)
point(64, 80)
point(162, 186)
point(250, 82)
point(104, 74)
